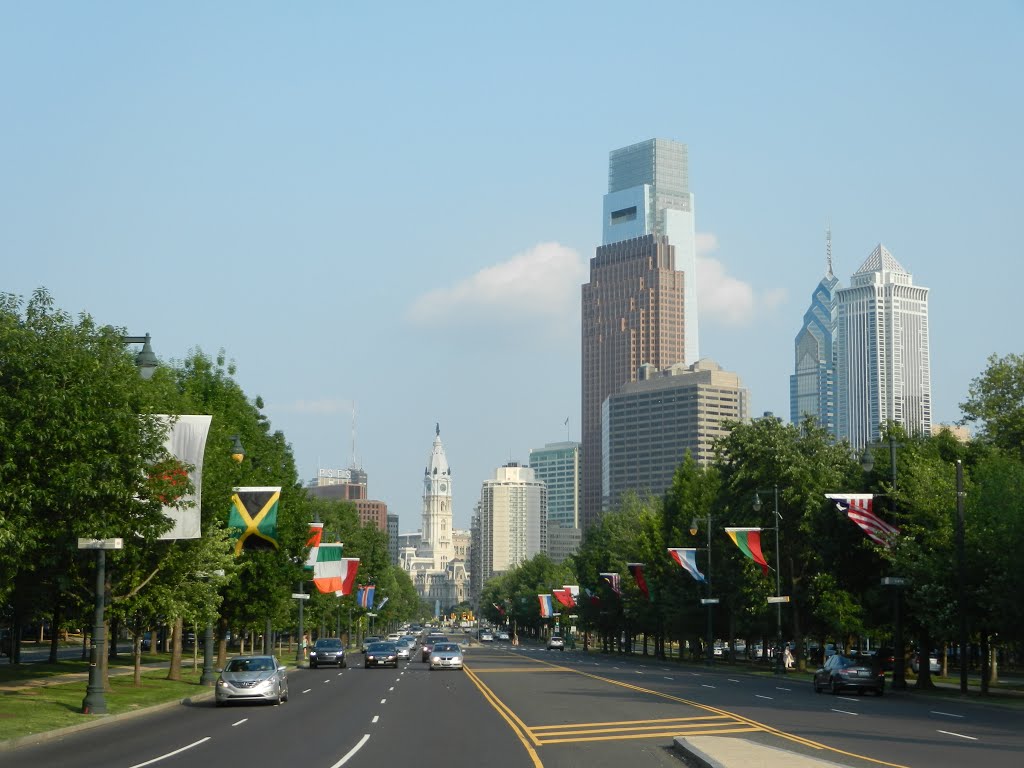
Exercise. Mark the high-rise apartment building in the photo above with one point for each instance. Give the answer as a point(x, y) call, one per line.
point(649, 425)
point(637, 306)
point(557, 465)
point(882, 357)
point(812, 387)
point(393, 538)
point(512, 518)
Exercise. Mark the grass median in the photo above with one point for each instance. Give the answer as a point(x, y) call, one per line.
point(35, 698)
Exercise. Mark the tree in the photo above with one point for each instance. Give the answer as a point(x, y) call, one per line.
point(995, 403)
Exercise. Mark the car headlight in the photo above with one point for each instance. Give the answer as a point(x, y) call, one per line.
point(221, 683)
point(435, 659)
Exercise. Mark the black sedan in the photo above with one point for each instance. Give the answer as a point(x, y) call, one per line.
point(327, 650)
point(381, 655)
point(841, 672)
point(428, 645)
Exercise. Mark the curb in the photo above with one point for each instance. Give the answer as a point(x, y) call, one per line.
point(99, 720)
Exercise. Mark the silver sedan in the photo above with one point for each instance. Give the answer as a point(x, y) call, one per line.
point(252, 678)
point(445, 656)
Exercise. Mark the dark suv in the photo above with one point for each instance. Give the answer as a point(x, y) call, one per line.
point(327, 650)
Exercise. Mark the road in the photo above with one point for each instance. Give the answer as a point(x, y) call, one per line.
point(525, 706)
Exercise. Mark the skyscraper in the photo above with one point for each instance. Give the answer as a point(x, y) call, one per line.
point(512, 519)
point(882, 357)
point(557, 465)
point(636, 306)
point(812, 385)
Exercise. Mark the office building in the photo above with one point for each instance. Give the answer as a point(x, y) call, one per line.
point(557, 465)
point(393, 538)
point(512, 519)
point(649, 425)
point(883, 368)
point(812, 387)
point(637, 306)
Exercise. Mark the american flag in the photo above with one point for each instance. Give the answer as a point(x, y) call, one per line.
point(857, 507)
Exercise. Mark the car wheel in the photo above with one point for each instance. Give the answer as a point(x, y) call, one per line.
point(835, 687)
point(817, 688)
point(312, 664)
point(879, 692)
point(366, 666)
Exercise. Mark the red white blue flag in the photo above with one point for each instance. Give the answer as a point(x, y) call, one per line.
point(637, 569)
point(858, 507)
point(364, 597)
point(545, 606)
point(687, 557)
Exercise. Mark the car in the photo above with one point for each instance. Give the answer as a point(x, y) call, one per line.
point(501, 634)
point(486, 636)
point(393, 637)
point(840, 672)
point(368, 640)
point(382, 654)
point(556, 642)
point(933, 662)
point(428, 645)
point(327, 650)
point(446, 656)
point(252, 678)
point(403, 650)
point(410, 641)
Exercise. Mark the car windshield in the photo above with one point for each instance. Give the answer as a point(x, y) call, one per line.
point(381, 648)
point(329, 643)
point(556, 637)
point(446, 648)
point(250, 665)
point(842, 662)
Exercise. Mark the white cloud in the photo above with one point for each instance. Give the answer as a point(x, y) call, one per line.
point(543, 281)
point(724, 299)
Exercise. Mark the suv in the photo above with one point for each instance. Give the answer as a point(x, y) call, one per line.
point(556, 641)
point(327, 650)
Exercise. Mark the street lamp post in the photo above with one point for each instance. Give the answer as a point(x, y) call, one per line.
point(899, 677)
point(779, 661)
point(709, 601)
point(961, 575)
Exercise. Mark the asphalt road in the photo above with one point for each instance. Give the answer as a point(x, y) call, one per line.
point(529, 707)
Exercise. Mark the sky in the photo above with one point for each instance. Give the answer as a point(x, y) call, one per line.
point(384, 213)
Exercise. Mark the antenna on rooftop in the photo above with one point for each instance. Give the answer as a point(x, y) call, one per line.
point(828, 246)
point(354, 464)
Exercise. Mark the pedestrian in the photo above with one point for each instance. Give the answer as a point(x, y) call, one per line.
point(787, 657)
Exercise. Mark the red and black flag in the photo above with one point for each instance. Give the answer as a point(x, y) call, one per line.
point(637, 569)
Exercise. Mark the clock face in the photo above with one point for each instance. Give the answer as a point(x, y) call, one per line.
point(444, 487)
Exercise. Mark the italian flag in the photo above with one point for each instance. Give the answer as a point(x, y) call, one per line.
point(749, 542)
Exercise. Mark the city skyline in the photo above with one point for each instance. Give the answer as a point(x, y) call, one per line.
point(411, 232)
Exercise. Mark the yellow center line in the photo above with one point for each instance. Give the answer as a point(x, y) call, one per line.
point(740, 719)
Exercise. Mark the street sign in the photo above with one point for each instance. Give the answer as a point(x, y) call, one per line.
point(709, 601)
point(300, 596)
point(372, 615)
point(779, 599)
point(894, 581)
point(101, 543)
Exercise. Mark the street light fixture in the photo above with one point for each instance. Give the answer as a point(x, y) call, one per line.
point(95, 702)
point(899, 677)
point(779, 597)
point(709, 601)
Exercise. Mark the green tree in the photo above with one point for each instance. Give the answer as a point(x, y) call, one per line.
point(995, 404)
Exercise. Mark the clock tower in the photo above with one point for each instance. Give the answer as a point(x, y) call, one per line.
point(437, 507)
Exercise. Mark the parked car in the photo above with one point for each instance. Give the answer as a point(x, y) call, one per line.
point(327, 650)
point(501, 634)
point(556, 642)
point(840, 672)
point(381, 655)
point(933, 662)
point(428, 645)
point(446, 656)
point(368, 641)
point(252, 678)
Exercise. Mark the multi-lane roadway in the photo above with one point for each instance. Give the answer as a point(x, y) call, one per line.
point(526, 706)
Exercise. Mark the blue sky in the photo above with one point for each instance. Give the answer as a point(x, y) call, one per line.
point(390, 208)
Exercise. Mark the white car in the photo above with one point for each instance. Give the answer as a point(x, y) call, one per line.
point(556, 642)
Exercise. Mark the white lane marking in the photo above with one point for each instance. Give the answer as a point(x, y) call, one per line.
point(669, 678)
point(695, 674)
point(779, 688)
point(351, 752)
point(843, 711)
point(763, 697)
point(383, 700)
point(375, 718)
point(244, 719)
point(327, 680)
point(615, 668)
point(307, 690)
point(391, 689)
point(705, 685)
point(947, 714)
point(639, 672)
point(948, 733)
point(846, 698)
point(732, 680)
point(171, 754)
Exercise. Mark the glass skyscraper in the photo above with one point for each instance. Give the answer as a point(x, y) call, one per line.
point(558, 466)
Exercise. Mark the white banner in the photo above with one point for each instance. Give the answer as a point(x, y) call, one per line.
point(186, 441)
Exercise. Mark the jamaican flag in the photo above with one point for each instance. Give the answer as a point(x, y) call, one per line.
point(253, 518)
